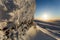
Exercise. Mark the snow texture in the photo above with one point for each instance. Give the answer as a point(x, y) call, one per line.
point(16, 17)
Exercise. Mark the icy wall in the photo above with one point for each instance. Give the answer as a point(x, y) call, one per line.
point(16, 17)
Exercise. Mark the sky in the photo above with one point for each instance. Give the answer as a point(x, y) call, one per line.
point(49, 7)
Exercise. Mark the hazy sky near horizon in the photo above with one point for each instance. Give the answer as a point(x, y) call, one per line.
point(49, 7)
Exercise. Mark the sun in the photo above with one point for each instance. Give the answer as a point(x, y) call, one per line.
point(45, 17)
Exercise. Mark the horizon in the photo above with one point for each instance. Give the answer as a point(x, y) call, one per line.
point(47, 9)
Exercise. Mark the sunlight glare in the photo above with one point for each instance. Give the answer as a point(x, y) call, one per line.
point(45, 17)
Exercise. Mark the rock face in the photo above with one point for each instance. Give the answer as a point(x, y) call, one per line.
point(16, 17)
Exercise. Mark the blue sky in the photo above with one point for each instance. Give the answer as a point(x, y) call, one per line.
point(51, 7)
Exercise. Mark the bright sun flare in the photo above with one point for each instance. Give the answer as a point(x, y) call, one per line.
point(45, 17)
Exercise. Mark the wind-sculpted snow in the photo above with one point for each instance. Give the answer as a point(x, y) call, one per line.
point(16, 17)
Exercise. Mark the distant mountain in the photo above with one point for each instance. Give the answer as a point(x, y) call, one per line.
point(56, 23)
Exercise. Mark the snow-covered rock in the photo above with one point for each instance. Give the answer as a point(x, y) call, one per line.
point(16, 17)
